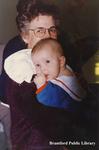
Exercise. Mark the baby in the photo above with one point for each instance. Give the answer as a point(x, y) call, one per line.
point(57, 85)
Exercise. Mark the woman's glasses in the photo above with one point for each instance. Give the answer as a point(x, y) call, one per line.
point(40, 31)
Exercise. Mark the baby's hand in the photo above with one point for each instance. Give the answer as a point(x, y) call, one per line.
point(39, 80)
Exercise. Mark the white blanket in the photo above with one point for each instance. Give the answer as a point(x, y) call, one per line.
point(19, 66)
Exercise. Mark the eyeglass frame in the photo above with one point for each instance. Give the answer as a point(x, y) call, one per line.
point(45, 29)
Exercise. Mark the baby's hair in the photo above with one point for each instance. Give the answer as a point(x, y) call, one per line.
point(49, 41)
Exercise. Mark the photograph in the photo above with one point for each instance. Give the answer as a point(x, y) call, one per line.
point(49, 74)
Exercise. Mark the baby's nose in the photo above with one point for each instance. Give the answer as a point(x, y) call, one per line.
point(44, 70)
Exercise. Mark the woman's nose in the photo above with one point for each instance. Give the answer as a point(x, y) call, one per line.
point(47, 35)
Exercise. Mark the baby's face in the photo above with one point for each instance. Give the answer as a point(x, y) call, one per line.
point(47, 62)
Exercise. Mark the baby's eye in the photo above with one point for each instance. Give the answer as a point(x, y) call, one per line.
point(47, 61)
point(37, 65)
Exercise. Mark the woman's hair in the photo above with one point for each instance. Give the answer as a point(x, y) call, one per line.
point(30, 9)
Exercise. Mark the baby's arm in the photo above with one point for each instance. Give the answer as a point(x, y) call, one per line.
point(52, 95)
point(47, 92)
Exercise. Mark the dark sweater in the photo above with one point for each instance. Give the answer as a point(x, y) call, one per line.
point(14, 45)
point(33, 124)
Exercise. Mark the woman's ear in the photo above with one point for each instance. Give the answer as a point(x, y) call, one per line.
point(62, 61)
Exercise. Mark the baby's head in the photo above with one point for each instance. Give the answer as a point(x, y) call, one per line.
point(48, 58)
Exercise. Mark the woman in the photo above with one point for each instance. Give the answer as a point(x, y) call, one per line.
point(33, 125)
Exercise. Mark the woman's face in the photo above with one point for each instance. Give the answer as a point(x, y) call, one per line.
point(39, 28)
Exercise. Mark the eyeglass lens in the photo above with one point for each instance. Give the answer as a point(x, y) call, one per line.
point(40, 32)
